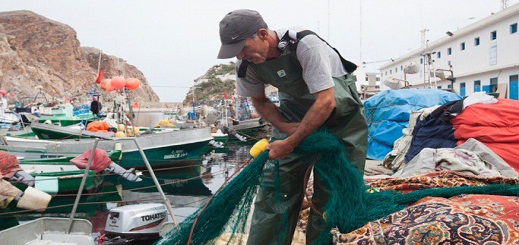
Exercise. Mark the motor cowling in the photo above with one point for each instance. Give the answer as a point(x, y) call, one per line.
point(138, 221)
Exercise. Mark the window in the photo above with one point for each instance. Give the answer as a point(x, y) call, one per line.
point(462, 46)
point(513, 87)
point(477, 86)
point(493, 35)
point(462, 89)
point(493, 84)
point(449, 86)
point(449, 63)
point(421, 60)
point(439, 55)
point(513, 28)
point(390, 71)
point(401, 67)
point(476, 41)
point(396, 70)
point(439, 87)
point(449, 51)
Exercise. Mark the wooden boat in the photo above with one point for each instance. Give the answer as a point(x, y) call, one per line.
point(168, 148)
point(65, 116)
point(251, 129)
point(65, 181)
point(59, 175)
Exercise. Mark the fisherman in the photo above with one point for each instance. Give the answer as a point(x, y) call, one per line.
point(95, 106)
point(316, 89)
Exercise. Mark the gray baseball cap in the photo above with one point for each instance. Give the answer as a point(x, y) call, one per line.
point(235, 28)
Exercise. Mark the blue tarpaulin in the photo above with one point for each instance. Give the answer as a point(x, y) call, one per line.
point(387, 113)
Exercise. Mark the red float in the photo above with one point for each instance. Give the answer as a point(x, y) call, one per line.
point(118, 82)
point(106, 85)
point(132, 83)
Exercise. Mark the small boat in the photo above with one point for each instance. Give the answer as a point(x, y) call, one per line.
point(50, 231)
point(65, 115)
point(59, 175)
point(71, 230)
point(247, 131)
point(46, 131)
point(219, 136)
point(163, 149)
point(67, 181)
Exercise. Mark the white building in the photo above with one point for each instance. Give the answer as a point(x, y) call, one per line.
point(483, 56)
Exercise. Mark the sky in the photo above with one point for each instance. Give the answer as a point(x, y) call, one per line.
point(174, 42)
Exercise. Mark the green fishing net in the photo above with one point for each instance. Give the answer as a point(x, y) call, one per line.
point(350, 205)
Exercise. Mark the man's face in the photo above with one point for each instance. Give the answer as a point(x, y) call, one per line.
point(255, 50)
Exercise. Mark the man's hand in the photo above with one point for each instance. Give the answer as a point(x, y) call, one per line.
point(279, 149)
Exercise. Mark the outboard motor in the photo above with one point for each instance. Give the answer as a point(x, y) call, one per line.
point(233, 132)
point(133, 224)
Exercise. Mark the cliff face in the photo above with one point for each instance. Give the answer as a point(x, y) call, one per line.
point(213, 85)
point(36, 51)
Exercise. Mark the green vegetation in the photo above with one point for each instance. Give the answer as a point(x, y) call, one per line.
point(214, 88)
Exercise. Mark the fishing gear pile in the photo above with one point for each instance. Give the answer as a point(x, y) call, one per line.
point(351, 204)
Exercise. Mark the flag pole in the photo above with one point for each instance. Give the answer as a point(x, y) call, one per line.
point(99, 62)
point(98, 69)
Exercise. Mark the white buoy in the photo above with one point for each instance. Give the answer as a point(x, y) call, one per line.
point(34, 199)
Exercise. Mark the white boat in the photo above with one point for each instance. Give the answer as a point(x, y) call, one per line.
point(50, 231)
point(167, 148)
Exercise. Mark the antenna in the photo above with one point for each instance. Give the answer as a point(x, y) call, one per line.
point(360, 30)
point(424, 40)
point(504, 4)
point(328, 37)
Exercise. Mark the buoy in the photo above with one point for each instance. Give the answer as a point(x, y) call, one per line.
point(136, 130)
point(34, 199)
point(121, 127)
point(132, 83)
point(106, 85)
point(120, 134)
point(258, 148)
point(118, 146)
point(129, 131)
point(118, 82)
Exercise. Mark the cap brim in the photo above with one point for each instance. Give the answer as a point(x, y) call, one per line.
point(230, 50)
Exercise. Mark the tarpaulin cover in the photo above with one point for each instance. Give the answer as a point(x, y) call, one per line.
point(8, 165)
point(387, 113)
point(99, 163)
point(97, 126)
point(495, 125)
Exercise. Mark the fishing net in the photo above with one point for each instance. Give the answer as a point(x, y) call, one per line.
point(351, 204)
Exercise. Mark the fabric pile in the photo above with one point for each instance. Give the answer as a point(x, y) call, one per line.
point(495, 125)
point(459, 144)
point(490, 125)
point(351, 205)
point(388, 113)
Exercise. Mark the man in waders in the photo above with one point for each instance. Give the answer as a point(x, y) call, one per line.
point(316, 89)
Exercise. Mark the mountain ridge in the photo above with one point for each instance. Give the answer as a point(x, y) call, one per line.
point(36, 51)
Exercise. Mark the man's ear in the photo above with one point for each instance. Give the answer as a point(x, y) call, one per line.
point(263, 34)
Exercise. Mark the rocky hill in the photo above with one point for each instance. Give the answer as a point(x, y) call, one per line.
point(213, 85)
point(37, 51)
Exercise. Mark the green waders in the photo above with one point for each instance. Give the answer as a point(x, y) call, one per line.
point(276, 214)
